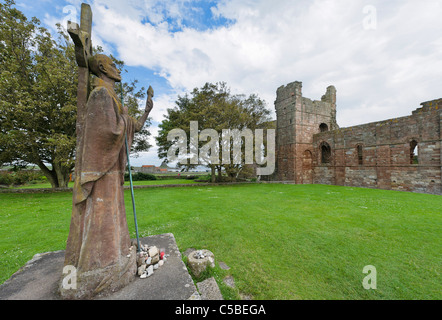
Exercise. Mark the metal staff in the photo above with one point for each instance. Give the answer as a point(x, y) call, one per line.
point(130, 178)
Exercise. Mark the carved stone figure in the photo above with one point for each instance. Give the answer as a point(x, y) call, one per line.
point(99, 243)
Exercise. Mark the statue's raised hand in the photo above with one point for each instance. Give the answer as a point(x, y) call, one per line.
point(149, 102)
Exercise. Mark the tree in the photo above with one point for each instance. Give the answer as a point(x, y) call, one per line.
point(132, 98)
point(213, 107)
point(37, 97)
point(38, 89)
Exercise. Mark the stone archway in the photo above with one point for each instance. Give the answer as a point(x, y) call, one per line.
point(307, 167)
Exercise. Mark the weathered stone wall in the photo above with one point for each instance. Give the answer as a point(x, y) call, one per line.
point(297, 120)
point(287, 100)
point(373, 155)
point(386, 153)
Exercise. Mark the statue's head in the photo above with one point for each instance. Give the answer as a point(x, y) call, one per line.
point(103, 66)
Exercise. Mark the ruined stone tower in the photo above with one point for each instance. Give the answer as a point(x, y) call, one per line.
point(297, 120)
point(397, 154)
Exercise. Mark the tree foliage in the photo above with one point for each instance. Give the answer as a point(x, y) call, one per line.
point(38, 89)
point(37, 96)
point(132, 97)
point(214, 107)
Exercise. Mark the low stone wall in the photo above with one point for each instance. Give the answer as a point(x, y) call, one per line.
point(51, 190)
point(36, 190)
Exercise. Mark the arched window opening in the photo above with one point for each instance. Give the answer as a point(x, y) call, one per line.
point(325, 152)
point(360, 155)
point(307, 155)
point(323, 127)
point(414, 149)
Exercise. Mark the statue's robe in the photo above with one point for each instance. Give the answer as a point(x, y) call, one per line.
point(99, 241)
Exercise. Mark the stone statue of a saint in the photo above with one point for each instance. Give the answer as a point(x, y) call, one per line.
point(99, 243)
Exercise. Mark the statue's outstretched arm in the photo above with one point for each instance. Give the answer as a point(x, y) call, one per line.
point(143, 118)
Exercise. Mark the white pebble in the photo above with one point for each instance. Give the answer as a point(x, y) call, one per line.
point(153, 251)
point(149, 271)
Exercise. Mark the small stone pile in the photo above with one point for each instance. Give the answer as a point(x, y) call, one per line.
point(149, 258)
point(200, 254)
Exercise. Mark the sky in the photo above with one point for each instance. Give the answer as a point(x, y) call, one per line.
point(383, 57)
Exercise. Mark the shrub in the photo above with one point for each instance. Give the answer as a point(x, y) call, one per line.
point(145, 176)
point(25, 176)
point(204, 178)
point(20, 177)
point(140, 176)
point(6, 178)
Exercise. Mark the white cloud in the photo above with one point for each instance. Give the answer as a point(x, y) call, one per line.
point(273, 43)
point(161, 104)
point(379, 74)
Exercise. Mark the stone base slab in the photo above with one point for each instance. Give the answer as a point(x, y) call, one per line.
point(39, 279)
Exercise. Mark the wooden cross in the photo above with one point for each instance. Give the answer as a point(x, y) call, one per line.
point(81, 35)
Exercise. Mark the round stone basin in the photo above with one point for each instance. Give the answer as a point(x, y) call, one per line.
point(198, 261)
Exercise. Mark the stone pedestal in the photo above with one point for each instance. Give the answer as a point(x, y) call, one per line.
point(40, 277)
point(198, 261)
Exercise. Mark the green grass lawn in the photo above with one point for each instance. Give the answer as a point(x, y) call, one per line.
point(281, 241)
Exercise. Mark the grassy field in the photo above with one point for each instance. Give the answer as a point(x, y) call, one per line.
point(281, 241)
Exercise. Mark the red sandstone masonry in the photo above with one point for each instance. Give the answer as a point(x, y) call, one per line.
point(386, 145)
